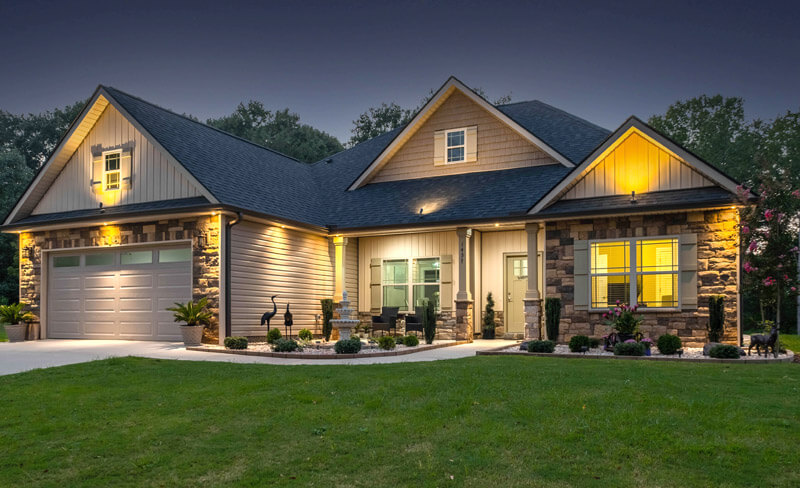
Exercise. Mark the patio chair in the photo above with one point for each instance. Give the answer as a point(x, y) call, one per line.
point(414, 322)
point(386, 321)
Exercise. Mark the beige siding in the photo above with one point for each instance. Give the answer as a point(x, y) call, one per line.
point(351, 271)
point(431, 244)
point(153, 176)
point(494, 245)
point(636, 164)
point(268, 260)
point(499, 147)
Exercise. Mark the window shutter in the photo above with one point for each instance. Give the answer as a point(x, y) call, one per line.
point(688, 267)
point(446, 280)
point(439, 147)
point(471, 135)
point(581, 274)
point(376, 297)
point(96, 183)
point(125, 166)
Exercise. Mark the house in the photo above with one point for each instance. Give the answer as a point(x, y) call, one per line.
point(139, 207)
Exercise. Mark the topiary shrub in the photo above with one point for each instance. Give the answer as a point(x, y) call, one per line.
point(724, 351)
point(578, 341)
point(386, 343)
point(347, 346)
point(552, 317)
point(305, 335)
point(716, 318)
point(541, 346)
point(487, 332)
point(273, 335)
point(629, 349)
point(236, 342)
point(285, 345)
point(411, 341)
point(668, 344)
point(327, 316)
point(428, 320)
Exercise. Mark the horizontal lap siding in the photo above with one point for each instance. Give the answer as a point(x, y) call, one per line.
point(268, 260)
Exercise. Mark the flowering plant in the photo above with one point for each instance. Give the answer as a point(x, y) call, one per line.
point(623, 318)
point(648, 342)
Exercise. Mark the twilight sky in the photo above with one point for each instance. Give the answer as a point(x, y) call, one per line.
point(330, 61)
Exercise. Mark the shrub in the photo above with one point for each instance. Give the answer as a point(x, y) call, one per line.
point(724, 351)
point(273, 335)
point(386, 343)
point(629, 349)
point(327, 316)
point(578, 341)
point(716, 317)
point(236, 342)
point(668, 344)
point(488, 316)
point(305, 335)
point(594, 342)
point(347, 346)
point(428, 320)
point(13, 314)
point(541, 346)
point(623, 318)
point(552, 317)
point(411, 341)
point(285, 345)
point(193, 314)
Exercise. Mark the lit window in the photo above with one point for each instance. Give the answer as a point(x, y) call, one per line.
point(455, 146)
point(395, 283)
point(137, 257)
point(425, 277)
point(111, 171)
point(424, 282)
point(175, 255)
point(66, 261)
point(651, 282)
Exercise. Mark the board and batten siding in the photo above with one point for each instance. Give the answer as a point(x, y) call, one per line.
point(153, 176)
point(499, 147)
point(405, 246)
point(636, 164)
point(351, 271)
point(268, 260)
point(494, 246)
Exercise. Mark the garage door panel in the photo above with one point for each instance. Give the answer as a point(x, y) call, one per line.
point(67, 327)
point(128, 305)
point(67, 304)
point(100, 327)
point(100, 282)
point(137, 280)
point(168, 328)
point(175, 279)
point(136, 328)
point(100, 304)
point(66, 283)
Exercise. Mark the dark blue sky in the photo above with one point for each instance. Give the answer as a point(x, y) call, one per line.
point(329, 61)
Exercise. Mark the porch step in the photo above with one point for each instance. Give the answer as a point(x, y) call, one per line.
point(513, 336)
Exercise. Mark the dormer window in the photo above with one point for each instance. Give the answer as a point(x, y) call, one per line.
point(112, 171)
point(455, 146)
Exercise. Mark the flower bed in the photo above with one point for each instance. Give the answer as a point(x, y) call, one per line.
point(324, 350)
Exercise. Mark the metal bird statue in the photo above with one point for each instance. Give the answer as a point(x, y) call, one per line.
point(288, 322)
point(268, 315)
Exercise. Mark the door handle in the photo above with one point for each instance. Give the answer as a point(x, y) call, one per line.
point(509, 296)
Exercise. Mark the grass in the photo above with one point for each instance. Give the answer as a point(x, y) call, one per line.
point(482, 421)
point(791, 342)
point(3, 336)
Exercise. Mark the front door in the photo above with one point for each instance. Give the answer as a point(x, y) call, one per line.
point(516, 284)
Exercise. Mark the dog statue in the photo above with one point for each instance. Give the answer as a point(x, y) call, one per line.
point(765, 341)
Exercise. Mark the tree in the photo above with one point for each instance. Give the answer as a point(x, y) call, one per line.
point(780, 145)
point(279, 130)
point(14, 178)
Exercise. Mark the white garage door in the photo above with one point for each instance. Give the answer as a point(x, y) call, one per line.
point(117, 294)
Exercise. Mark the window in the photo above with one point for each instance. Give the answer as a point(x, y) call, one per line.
point(640, 272)
point(103, 259)
point(424, 282)
point(174, 255)
point(456, 147)
point(111, 171)
point(137, 257)
point(66, 261)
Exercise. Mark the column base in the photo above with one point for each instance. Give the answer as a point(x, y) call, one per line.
point(464, 320)
point(533, 318)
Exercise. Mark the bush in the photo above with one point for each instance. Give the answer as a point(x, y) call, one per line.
point(552, 317)
point(716, 317)
point(578, 341)
point(629, 349)
point(327, 316)
point(285, 345)
point(724, 351)
point(594, 343)
point(273, 335)
point(348, 346)
point(541, 346)
point(488, 316)
point(236, 342)
point(386, 343)
point(305, 335)
point(411, 341)
point(428, 320)
point(668, 344)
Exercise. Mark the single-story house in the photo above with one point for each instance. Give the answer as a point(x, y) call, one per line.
point(139, 207)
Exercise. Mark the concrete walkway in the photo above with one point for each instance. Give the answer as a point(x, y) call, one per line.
point(24, 356)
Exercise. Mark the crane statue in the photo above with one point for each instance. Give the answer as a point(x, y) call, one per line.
point(268, 315)
point(288, 322)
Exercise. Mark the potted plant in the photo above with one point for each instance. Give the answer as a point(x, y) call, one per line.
point(623, 319)
point(194, 316)
point(15, 321)
point(488, 318)
point(648, 344)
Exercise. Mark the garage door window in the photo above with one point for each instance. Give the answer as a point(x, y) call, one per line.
point(104, 259)
point(137, 257)
point(66, 261)
point(174, 255)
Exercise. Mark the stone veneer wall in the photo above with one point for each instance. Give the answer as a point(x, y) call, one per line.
point(204, 232)
point(717, 242)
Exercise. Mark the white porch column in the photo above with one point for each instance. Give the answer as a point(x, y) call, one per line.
point(340, 262)
point(533, 298)
point(464, 236)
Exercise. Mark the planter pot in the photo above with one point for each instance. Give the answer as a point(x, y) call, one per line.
point(624, 337)
point(16, 332)
point(647, 351)
point(192, 335)
point(488, 334)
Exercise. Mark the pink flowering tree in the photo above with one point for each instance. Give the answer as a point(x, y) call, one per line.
point(769, 227)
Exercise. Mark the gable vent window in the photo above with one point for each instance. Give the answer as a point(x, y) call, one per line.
point(112, 171)
point(453, 146)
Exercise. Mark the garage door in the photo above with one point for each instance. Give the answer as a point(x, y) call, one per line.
point(117, 294)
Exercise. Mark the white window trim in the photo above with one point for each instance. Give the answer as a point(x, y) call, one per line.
point(463, 146)
point(410, 283)
point(633, 273)
point(104, 183)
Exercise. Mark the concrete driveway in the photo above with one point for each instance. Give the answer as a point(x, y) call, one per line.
point(23, 356)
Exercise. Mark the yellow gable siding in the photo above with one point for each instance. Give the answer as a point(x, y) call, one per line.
point(636, 164)
point(153, 176)
point(499, 147)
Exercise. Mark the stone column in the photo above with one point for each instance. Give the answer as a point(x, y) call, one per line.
point(340, 262)
point(464, 305)
point(533, 298)
point(464, 325)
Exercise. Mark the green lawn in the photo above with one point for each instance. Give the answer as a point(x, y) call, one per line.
point(3, 336)
point(791, 342)
point(484, 421)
